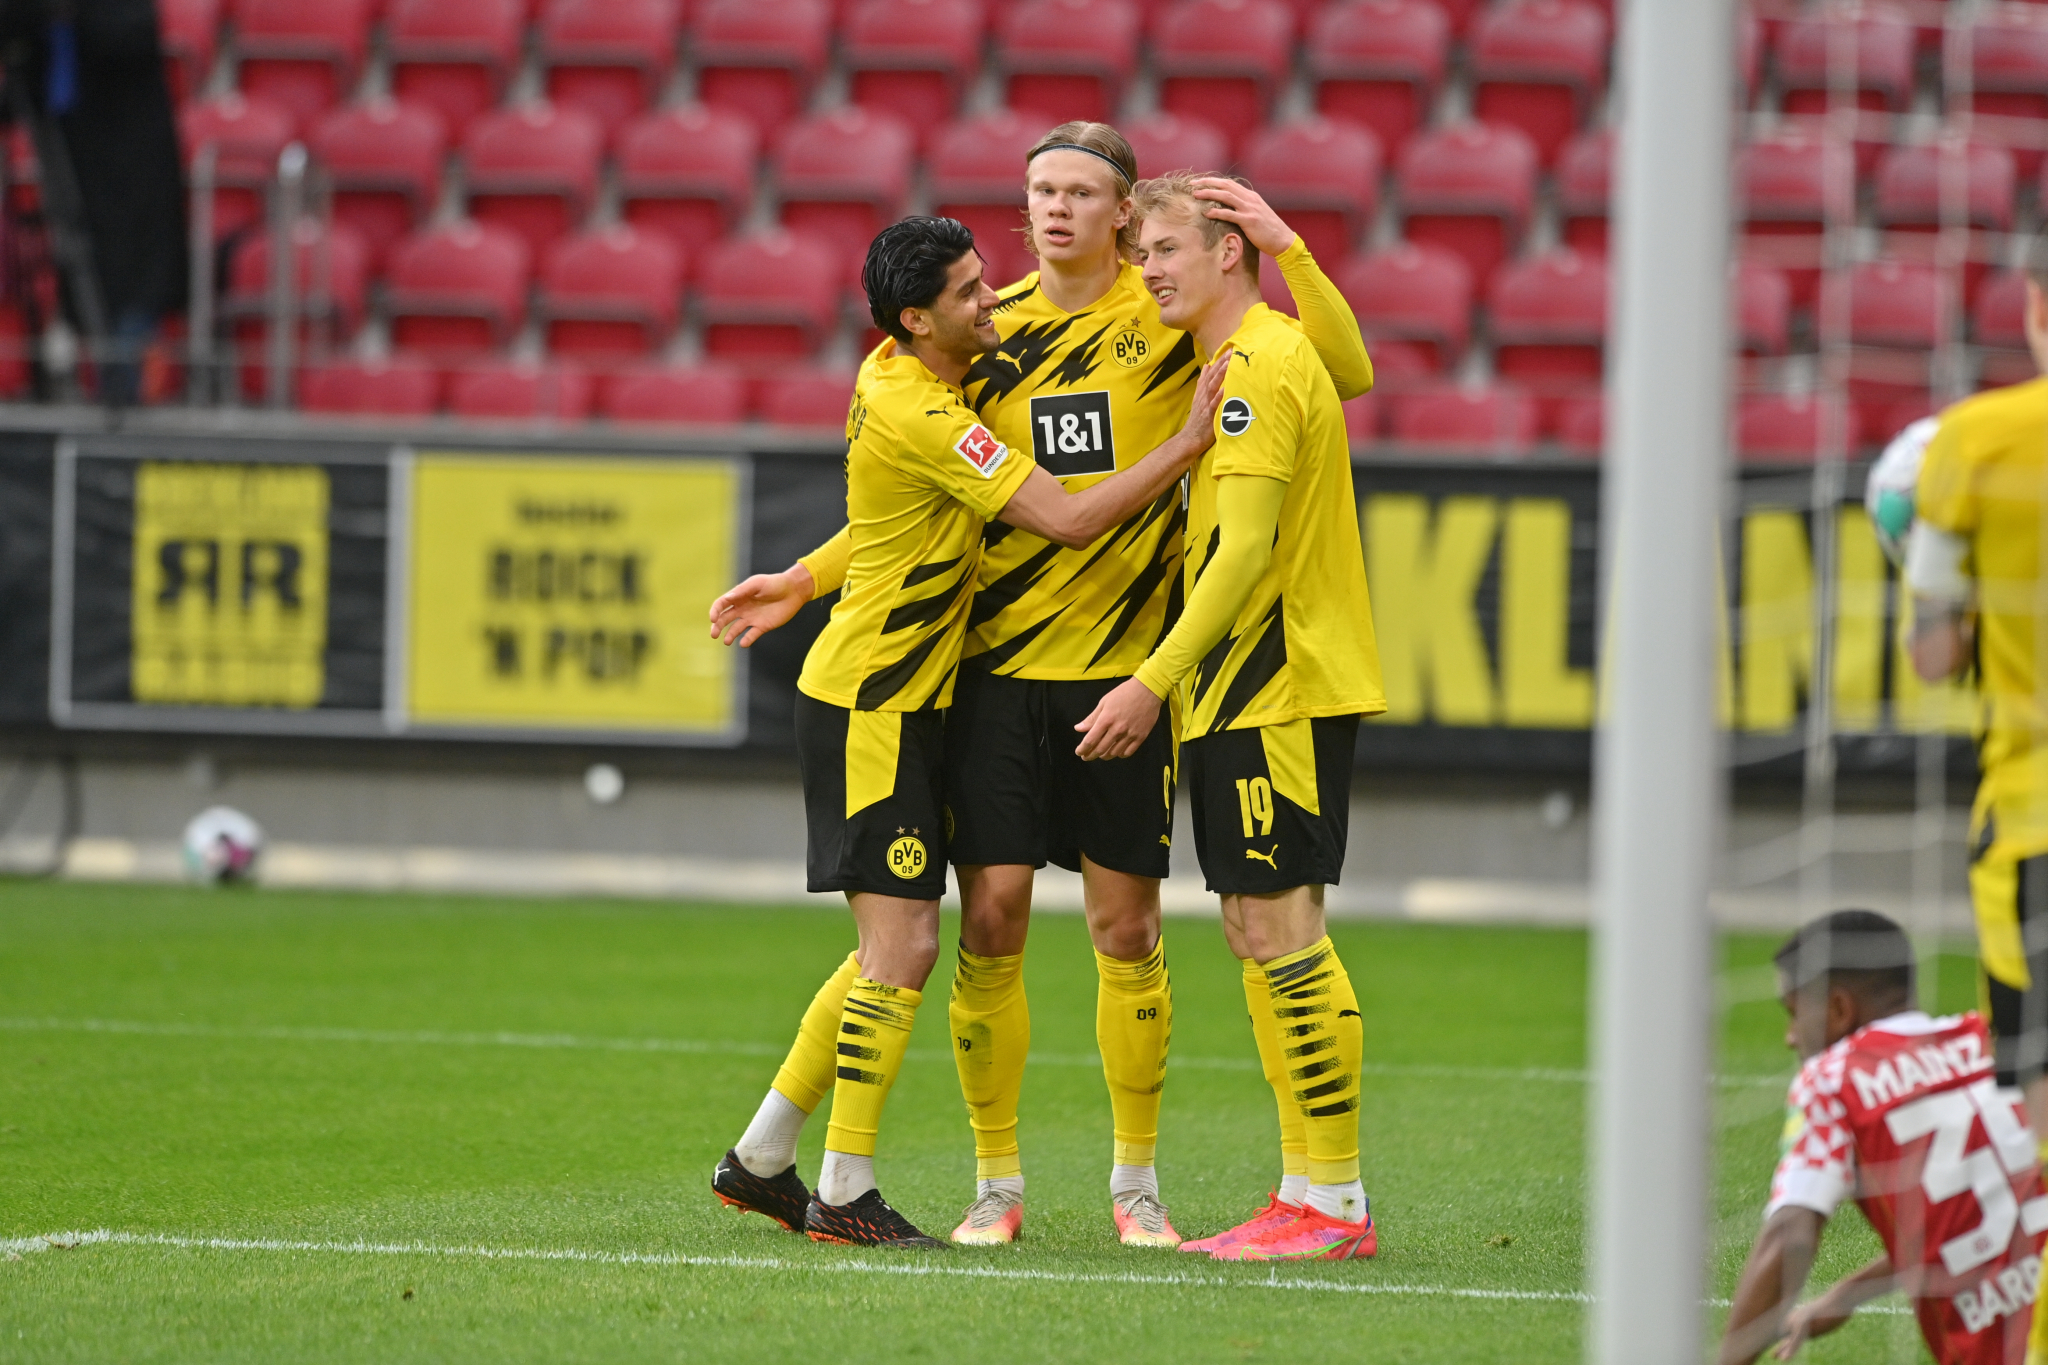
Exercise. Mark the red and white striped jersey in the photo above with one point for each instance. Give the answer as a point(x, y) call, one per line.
point(1904, 1116)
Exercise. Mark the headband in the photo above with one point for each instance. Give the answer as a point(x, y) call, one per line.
point(1077, 147)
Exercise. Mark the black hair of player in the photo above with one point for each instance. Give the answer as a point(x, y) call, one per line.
point(906, 267)
point(1860, 951)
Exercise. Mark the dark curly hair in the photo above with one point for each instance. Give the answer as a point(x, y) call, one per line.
point(906, 267)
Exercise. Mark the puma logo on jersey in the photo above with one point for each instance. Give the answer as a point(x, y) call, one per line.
point(1266, 858)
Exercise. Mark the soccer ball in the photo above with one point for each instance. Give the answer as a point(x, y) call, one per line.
point(222, 845)
point(1894, 479)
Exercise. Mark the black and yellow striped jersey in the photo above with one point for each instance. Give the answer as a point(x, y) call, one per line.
point(923, 476)
point(1302, 645)
point(1089, 393)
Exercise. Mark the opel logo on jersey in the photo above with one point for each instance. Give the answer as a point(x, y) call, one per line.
point(1235, 417)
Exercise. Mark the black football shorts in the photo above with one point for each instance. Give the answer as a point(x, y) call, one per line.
point(1271, 805)
point(872, 799)
point(1016, 792)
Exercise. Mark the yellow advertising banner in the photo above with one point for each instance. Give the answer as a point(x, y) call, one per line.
point(571, 594)
point(230, 584)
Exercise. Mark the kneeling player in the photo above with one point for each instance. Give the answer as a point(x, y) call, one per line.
point(1903, 1114)
point(1273, 661)
point(923, 476)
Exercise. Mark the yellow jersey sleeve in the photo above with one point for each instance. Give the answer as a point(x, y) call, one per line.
point(829, 562)
point(1327, 321)
point(1946, 497)
point(1258, 423)
point(955, 452)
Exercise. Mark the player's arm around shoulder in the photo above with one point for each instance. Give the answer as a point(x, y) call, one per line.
point(1043, 506)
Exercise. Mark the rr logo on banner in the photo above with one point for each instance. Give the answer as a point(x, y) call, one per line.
point(230, 584)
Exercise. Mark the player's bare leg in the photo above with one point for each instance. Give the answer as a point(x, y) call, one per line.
point(1316, 1011)
point(991, 1024)
point(1133, 1026)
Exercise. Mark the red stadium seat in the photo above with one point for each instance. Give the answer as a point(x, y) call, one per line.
point(977, 176)
point(248, 135)
point(1412, 301)
point(1471, 188)
point(913, 58)
point(1781, 182)
point(1909, 199)
point(706, 393)
point(1171, 142)
point(609, 58)
point(807, 398)
point(402, 386)
point(521, 390)
point(382, 161)
point(1274, 292)
point(1883, 53)
point(455, 56)
point(303, 54)
point(1067, 59)
point(1323, 176)
point(760, 58)
point(1896, 321)
point(1499, 421)
point(1363, 419)
point(1776, 428)
point(331, 280)
point(1539, 65)
point(1380, 63)
point(1763, 309)
point(770, 298)
point(2009, 81)
point(1998, 324)
point(1582, 425)
point(459, 290)
point(1549, 320)
point(533, 169)
point(191, 36)
point(613, 292)
point(688, 173)
point(1223, 61)
point(844, 175)
point(1585, 176)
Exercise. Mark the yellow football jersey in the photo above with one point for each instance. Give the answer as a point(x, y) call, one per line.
point(923, 475)
point(1985, 479)
point(1303, 643)
point(1089, 393)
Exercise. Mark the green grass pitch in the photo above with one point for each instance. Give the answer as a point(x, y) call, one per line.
point(391, 1083)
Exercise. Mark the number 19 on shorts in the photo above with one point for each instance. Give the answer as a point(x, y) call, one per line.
point(1255, 804)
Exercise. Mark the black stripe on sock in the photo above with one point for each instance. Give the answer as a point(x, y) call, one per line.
point(854, 1073)
point(1328, 1111)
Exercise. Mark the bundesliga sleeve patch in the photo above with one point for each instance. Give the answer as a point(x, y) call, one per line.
point(1234, 417)
point(980, 448)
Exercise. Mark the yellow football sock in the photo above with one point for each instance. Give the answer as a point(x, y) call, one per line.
point(991, 1036)
point(1313, 1008)
point(1266, 1032)
point(1133, 1026)
point(807, 1072)
point(874, 1033)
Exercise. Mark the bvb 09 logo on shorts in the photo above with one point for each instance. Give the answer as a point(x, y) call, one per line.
point(906, 858)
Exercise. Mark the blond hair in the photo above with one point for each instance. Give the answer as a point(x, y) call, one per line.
point(1105, 142)
point(1172, 196)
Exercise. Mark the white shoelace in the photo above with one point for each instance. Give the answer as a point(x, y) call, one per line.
point(989, 1209)
point(1147, 1211)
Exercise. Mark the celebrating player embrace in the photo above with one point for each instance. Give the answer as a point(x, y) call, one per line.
point(923, 476)
point(1087, 377)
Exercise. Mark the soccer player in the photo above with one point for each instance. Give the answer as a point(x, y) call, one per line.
point(1973, 563)
point(1271, 664)
point(1087, 378)
point(923, 478)
point(1901, 1113)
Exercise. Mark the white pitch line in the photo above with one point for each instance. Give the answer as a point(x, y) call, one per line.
point(68, 1241)
point(737, 1048)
